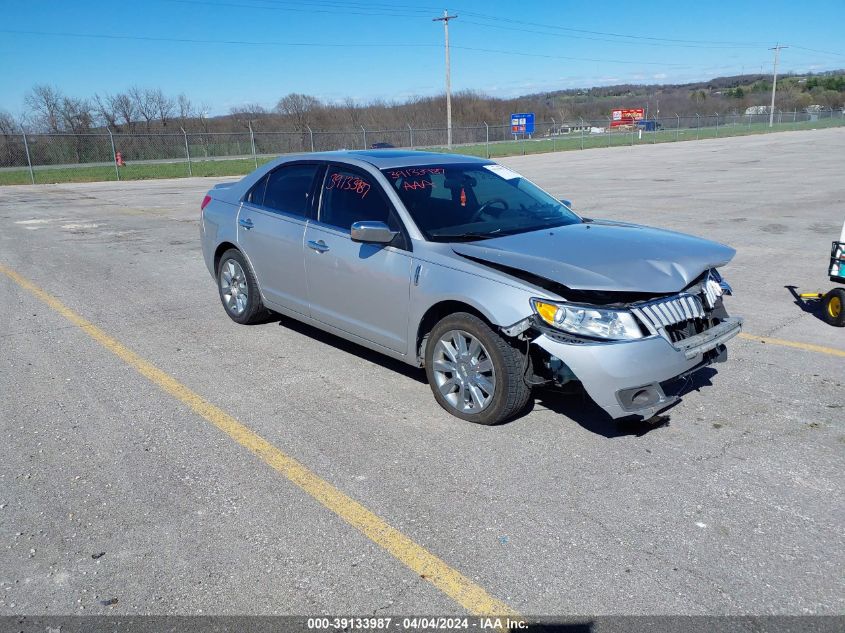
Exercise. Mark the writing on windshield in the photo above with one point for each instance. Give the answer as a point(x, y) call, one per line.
point(474, 201)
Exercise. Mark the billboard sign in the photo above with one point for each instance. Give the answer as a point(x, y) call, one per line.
point(626, 116)
point(522, 123)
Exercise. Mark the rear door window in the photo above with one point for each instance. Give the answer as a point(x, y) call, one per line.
point(290, 189)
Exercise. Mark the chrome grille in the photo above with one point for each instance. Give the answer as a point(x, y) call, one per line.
point(661, 314)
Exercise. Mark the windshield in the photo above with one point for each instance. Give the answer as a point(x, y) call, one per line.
point(472, 201)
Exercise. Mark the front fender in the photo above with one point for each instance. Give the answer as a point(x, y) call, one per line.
point(501, 303)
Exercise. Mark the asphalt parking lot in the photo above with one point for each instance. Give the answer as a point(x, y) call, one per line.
point(112, 488)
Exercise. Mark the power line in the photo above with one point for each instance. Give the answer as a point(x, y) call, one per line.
point(375, 9)
point(577, 59)
point(606, 33)
point(397, 10)
point(495, 18)
point(183, 40)
point(815, 50)
point(613, 41)
point(330, 8)
point(417, 8)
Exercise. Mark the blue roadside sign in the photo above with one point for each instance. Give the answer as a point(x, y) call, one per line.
point(522, 123)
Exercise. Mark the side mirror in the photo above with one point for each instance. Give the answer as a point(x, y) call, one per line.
point(566, 203)
point(372, 232)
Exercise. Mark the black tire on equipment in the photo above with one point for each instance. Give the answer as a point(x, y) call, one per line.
point(833, 307)
point(512, 392)
point(254, 311)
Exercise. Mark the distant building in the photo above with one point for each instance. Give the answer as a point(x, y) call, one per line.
point(757, 110)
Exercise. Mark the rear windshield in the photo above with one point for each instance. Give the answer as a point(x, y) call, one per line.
point(472, 201)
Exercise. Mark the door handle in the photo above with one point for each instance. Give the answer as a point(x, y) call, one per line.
point(319, 246)
point(246, 223)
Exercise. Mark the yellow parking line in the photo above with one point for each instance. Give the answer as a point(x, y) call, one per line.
point(428, 566)
point(809, 347)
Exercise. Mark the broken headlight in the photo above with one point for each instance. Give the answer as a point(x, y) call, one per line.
point(588, 320)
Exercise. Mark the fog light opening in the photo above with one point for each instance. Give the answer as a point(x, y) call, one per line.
point(637, 398)
point(641, 398)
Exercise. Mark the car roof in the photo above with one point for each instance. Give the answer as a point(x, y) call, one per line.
point(387, 158)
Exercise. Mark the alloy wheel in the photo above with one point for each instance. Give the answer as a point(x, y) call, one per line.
point(463, 371)
point(233, 287)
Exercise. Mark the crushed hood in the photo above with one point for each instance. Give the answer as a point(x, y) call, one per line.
point(604, 256)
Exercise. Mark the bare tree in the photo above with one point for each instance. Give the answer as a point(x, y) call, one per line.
point(144, 100)
point(164, 106)
point(202, 112)
point(248, 111)
point(44, 102)
point(124, 108)
point(8, 125)
point(76, 115)
point(48, 111)
point(107, 110)
point(186, 109)
point(353, 111)
point(9, 131)
point(299, 108)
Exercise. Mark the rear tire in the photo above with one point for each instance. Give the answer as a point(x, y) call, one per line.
point(474, 372)
point(238, 289)
point(833, 307)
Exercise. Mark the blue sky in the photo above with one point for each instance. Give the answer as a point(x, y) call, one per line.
point(229, 52)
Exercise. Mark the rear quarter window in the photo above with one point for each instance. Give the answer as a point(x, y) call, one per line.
point(256, 194)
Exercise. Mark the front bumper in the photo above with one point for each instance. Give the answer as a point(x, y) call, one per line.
point(623, 377)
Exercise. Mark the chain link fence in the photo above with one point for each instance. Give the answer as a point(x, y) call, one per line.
point(47, 158)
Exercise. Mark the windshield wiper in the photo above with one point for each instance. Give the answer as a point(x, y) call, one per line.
point(468, 235)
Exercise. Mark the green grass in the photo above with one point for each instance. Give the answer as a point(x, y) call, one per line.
point(239, 167)
point(622, 138)
point(140, 171)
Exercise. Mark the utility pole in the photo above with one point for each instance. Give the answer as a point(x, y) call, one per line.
point(445, 19)
point(776, 49)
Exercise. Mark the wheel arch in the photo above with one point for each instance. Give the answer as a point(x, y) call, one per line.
point(438, 311)
point(222, 248)
point(226, 246)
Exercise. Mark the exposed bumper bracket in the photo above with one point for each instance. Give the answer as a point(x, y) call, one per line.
point(711, 339)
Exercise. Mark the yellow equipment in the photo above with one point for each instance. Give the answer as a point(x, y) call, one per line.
point(833, 302)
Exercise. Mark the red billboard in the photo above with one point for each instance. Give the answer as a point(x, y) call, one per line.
point(629, 116)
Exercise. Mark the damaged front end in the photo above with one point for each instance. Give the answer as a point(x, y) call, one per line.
point(625, 348)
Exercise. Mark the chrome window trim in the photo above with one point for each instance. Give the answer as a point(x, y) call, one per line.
point(287, 216)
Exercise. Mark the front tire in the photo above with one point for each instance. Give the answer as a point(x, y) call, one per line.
point(238, 289)
point(833, 307)
point(475, 373)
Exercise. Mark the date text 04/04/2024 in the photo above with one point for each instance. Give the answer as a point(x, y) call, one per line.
point(414, 623)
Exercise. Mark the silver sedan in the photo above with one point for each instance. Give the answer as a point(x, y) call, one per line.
point(464, 267)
